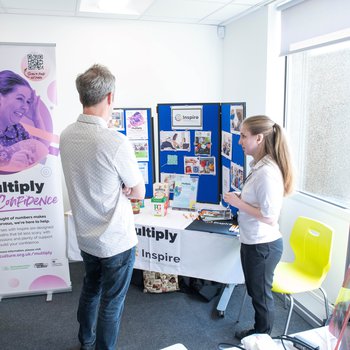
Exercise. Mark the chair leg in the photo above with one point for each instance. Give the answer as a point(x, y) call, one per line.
point(291, 299)
point(325, 302)
point(285, 300)
point(242, 305)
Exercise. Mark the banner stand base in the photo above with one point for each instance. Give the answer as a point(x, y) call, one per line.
point(49, 294)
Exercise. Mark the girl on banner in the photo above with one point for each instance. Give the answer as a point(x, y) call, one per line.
point(18, 149)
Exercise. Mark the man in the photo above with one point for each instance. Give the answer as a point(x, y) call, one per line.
point(101, 174)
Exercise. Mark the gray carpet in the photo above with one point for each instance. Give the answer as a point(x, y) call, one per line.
point(150, 321)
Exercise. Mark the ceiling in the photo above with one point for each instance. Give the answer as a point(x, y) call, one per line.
point(205, 12)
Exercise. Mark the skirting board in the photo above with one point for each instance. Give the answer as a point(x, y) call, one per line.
point(306, 313)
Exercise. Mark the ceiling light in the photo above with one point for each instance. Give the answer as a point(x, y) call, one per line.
point(112, 6)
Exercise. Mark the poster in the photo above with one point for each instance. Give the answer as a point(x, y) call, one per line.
point(185, 192)
point(143, 166)
point(140, 149)
point(236, 118)
point(32, 231)
point(226, 144)
point(236, 176)
point(169, 179)
point(225, 179)
point(117, 120)
point(202, 143)
point(137, 126)
point(175, 141)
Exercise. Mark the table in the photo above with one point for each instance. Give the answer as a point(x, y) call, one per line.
point(166, 246)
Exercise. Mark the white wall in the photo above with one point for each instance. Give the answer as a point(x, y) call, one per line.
point(245, 60)
point(153, 62)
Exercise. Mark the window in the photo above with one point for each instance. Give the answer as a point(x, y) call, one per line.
point(318, 121)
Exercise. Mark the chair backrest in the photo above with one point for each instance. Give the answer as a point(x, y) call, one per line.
point(312, 242)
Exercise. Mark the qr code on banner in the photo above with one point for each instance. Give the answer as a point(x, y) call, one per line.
point(35, 61)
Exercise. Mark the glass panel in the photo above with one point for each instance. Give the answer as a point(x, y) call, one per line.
point(318, 121)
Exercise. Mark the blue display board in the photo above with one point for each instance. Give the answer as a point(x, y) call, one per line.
point(189, 143)
point(232, 155)
point(137, 125)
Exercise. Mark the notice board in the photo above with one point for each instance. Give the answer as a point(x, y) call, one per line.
point(137, 125)
point(232, 155)
point(189, 136)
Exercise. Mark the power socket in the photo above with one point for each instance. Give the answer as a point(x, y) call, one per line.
point(304, 344)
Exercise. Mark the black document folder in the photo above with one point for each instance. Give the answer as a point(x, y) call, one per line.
point(220, 226)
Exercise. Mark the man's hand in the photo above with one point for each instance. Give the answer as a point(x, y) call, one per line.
point(126, 190)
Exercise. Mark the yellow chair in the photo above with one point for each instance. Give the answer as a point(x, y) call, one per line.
point(311, 242)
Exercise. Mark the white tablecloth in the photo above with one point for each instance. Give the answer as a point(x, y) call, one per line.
point(165, 246)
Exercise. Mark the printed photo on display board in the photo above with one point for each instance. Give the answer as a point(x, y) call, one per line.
point(140, 149)
point(191, 165)
point(117, 120)
point(236, 176)
point(207, 166)
point(202, 143)
point(175, 141)
point(137, 127)
point(169, 179)
point(236, 118)
point(143, 166)
point(226, 145)
point(225, 179)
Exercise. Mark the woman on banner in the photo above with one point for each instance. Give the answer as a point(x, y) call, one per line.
point(18, 149)
point(259, 204)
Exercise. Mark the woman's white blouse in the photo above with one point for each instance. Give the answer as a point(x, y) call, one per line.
point(262, 189)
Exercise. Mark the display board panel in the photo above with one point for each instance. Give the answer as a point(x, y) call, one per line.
point(189, 143)
point(232, 156)
point(137, 125)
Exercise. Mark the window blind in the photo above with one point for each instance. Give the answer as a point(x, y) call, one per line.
point(307, 24)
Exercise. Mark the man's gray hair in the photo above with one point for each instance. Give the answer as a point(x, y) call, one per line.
point(94, 85)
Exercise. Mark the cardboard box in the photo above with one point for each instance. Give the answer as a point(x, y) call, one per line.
point(159, 206)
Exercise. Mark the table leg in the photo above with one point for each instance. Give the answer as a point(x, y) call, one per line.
point(225, 298)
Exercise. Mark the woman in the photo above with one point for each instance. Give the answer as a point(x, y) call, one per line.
point(18, 100)
point(259, 205)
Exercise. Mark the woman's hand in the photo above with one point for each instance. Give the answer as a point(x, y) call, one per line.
point(233, 198)
point(28, 153)
point(34, 112)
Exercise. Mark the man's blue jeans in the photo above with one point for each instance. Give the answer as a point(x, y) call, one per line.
point(101, 303)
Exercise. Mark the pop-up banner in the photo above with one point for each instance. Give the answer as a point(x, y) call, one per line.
point(32, 232)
